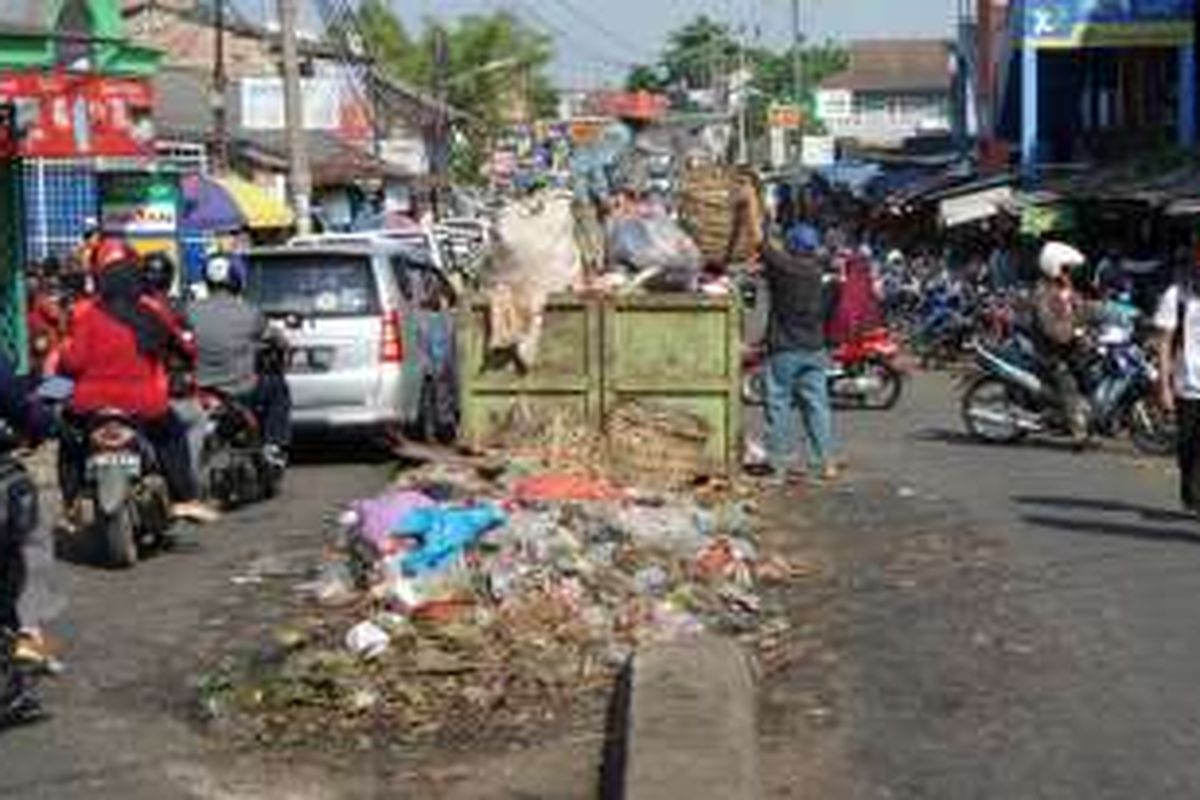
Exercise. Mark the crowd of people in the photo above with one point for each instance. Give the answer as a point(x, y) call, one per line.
point(831, 276)
point(113, 324)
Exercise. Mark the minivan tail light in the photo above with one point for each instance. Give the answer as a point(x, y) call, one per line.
point(391, 349)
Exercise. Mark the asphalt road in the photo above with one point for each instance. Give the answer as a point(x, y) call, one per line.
point(135, 640)
point(989, 622)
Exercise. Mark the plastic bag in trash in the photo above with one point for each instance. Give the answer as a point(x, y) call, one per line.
point(653, 243)
point(375, 517)
point(368, 640)
point(443, 533)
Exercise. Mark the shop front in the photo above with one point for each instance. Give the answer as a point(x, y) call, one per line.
point(82, 103)
point(1097, 79)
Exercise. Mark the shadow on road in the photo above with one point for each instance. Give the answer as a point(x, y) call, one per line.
point(1104, 505)
point(963, 439)
point(1124, 530)
point(1154, 525)
point(331, 451)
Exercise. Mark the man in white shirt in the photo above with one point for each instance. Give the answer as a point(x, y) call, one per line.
point(1178, 321)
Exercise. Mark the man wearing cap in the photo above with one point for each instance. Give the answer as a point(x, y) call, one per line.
point(797, 365)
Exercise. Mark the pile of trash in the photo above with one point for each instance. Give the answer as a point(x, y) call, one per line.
point(467, 599)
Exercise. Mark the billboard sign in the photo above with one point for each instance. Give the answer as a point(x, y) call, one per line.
point(63, 115)
point(787, 117)
point(1108, 23)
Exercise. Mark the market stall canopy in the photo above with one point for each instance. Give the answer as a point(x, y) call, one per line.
point(229, 203)
point(1156, 182)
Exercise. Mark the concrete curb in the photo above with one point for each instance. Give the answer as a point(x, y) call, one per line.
point(691, 729)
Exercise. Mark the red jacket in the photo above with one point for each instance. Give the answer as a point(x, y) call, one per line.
point(102, 356)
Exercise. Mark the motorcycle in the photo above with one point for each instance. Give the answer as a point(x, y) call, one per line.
point(19, 510)
point(126, 501)
point(234, 469)
point(863, 373)
point(1010, 396)
point(945, 326)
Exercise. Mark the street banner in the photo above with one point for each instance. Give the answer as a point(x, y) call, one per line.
point(63, 115)
point(1108, 23)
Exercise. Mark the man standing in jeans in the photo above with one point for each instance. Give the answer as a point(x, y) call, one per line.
point(1178, 321)
point(797, 365)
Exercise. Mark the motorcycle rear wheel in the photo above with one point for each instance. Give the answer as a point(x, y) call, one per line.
point(1150, 428)
point(885, 398)
point(754, 389)
point(986, 404)
point(120, 538)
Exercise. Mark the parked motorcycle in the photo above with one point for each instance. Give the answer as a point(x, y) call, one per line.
point(1010, 396)
point(126, 502)
point(864, 373)
point(945, 327)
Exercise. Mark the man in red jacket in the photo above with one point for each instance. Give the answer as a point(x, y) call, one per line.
point(117, 352)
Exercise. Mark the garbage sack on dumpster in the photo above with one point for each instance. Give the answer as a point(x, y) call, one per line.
point(658, 246)
point(535, 256)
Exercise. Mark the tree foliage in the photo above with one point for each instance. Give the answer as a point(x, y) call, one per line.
point(495, 67)
point(701, 55)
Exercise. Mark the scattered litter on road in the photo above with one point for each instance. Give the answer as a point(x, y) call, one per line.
point(368, 640)
point(464, 598)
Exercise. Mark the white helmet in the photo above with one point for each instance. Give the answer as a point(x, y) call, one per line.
point(218, 271)
point(1057, 258)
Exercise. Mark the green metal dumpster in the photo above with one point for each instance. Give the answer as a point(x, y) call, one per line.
point(564, 381)
point(681, 352)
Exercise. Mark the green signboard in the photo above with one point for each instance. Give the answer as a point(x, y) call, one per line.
point(139, 204)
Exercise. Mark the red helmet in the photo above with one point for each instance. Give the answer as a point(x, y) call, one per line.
point(112, 253)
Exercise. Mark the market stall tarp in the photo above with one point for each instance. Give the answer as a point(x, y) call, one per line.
point(975, 207)
point(228, 203)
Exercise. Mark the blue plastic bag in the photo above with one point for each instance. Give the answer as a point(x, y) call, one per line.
point(443, 533)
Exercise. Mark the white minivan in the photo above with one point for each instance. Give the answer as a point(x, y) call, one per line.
point(371, 330)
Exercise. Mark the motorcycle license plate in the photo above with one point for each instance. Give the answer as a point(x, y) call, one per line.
point(130, 463)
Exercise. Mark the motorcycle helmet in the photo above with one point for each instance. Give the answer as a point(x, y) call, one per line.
point(159, 272)
point(219, 273)
point(111, 254)
point(1058, 259)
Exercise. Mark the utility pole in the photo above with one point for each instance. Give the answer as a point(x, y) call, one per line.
point(743, 103)
point(441, 125)
point(797, 56)
point(220, 82)
point(300, 176)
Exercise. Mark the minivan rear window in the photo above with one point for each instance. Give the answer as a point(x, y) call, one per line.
point(316, 285)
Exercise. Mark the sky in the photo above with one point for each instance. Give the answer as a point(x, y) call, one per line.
point(596, 40)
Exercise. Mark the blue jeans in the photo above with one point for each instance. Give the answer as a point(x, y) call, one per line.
point(798, 377)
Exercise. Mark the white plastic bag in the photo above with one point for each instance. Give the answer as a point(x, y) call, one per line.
point(535, 256)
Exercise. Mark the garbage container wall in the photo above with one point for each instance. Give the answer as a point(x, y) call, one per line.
point(677, 351)
point(563, 383)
